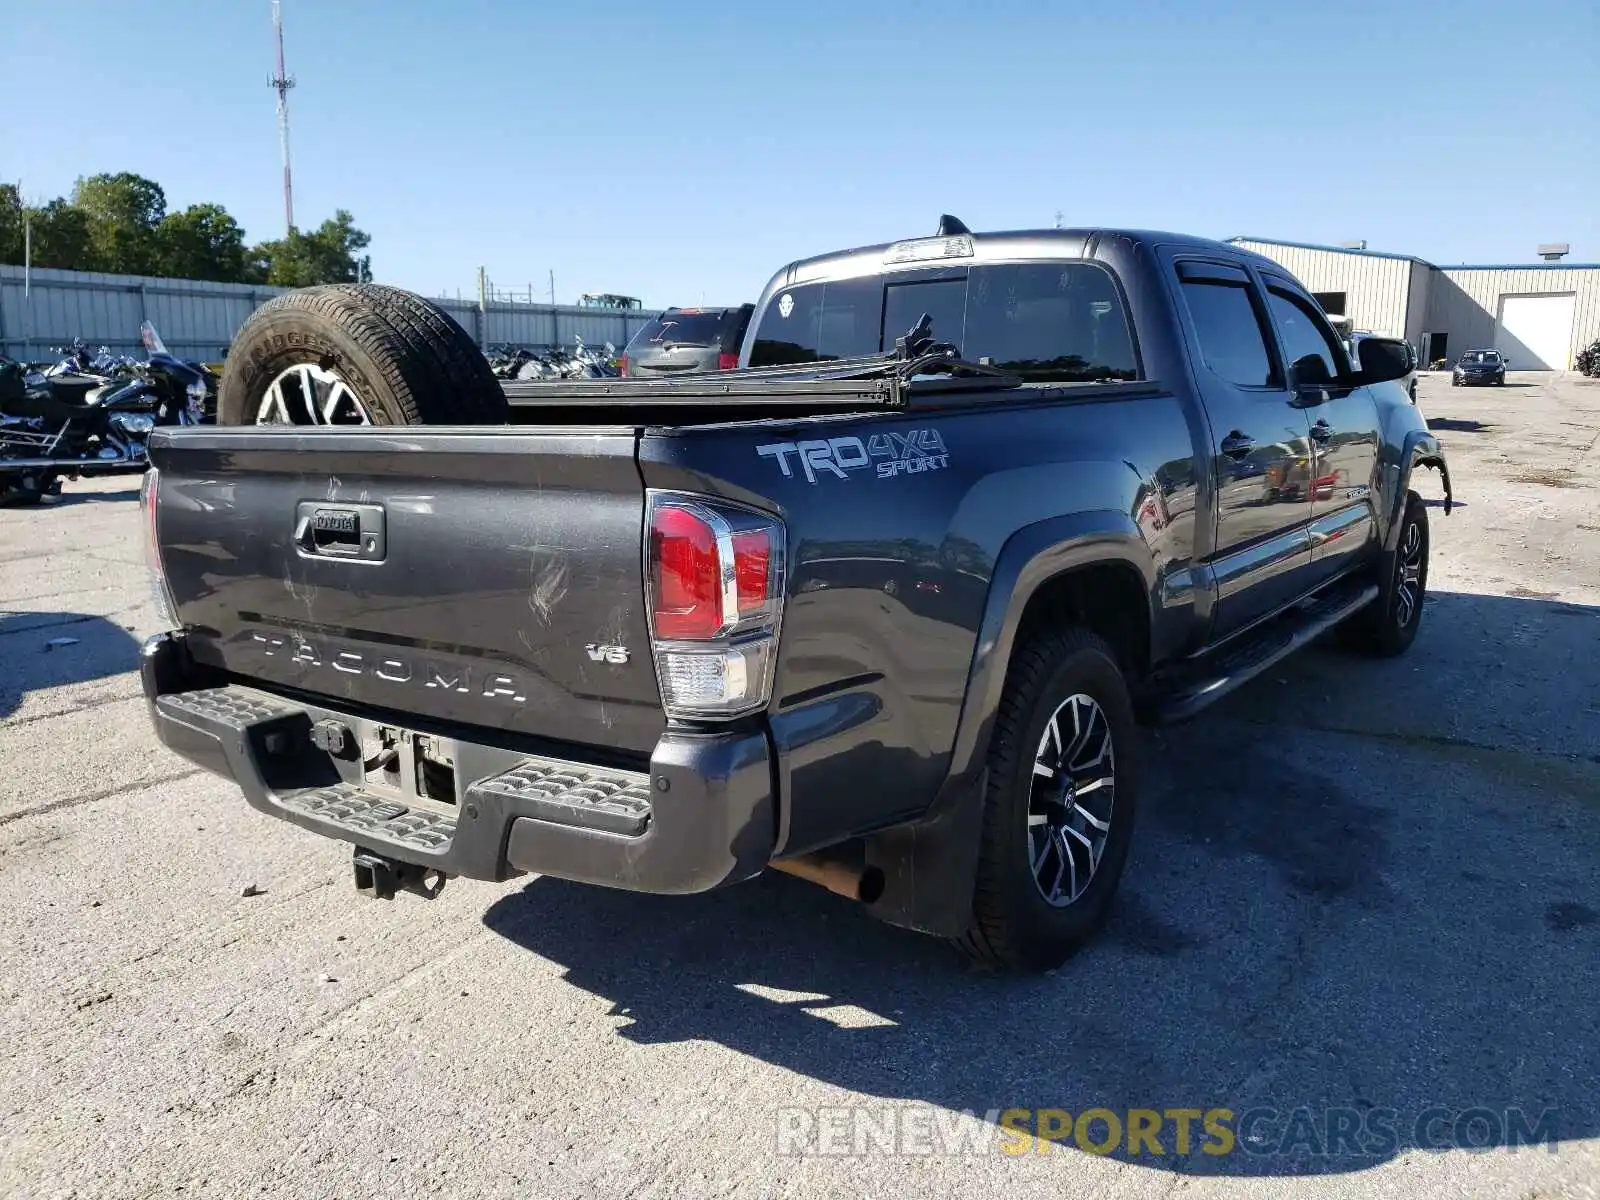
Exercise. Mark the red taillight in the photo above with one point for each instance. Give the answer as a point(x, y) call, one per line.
point(622, 365)
point(715, 595)
point(727, 362)
point(752, 570)
point(686, 575)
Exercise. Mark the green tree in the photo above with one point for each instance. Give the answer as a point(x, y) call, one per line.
point(124, 212)
point(12, 216)
point(202, 241)
point(62, 237)
point(328, 254)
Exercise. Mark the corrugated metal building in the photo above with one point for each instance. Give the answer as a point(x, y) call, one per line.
point(198, 319)
point(1539, 315)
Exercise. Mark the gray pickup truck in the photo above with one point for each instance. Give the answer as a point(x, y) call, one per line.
point(881, 608)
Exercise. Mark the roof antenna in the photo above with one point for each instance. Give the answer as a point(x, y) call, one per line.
point(950, 226)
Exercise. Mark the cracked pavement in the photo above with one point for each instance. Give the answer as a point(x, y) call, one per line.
point(1356, 885)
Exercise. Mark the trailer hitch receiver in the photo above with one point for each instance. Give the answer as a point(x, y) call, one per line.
point(380, 878)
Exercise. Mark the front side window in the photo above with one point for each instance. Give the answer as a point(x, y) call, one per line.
point(1307, 345)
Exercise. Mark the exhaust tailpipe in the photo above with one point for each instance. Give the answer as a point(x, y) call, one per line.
point(841, 878)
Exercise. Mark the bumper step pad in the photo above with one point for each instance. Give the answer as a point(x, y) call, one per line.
point(354, 807)
point(236, 708)
point(589, 797)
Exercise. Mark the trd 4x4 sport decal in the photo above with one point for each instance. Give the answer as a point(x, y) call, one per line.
point(890, 454)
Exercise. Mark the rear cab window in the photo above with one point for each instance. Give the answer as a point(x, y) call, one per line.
point(1047, 322)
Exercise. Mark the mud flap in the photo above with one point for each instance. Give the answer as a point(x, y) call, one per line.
point(930, 866)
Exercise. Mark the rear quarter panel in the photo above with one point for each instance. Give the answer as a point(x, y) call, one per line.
point(892, 551)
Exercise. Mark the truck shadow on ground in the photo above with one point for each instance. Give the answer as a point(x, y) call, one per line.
point(1455, 425)
point(1359, 923)
point(69, 497)
point(88, 647)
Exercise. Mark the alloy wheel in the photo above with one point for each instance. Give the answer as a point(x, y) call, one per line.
point(1408, 592)
point(309, 394)
point(1070, 803)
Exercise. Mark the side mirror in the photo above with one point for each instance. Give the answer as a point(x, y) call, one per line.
point(1382, 360)
point(1311, 371)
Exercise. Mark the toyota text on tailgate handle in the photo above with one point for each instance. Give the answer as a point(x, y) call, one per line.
point(324, 529)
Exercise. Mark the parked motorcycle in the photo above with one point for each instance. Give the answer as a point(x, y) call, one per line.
point(593, 365)
point(556, 363)
point(69, 419)
point(506, 361)
point(186, 390)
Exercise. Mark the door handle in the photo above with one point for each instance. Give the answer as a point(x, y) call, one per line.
point(1321, 431)
point(1238, 445)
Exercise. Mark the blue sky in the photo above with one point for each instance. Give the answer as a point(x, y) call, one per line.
point(681, 152)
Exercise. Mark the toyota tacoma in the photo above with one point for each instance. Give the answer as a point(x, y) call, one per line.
point(881, 608)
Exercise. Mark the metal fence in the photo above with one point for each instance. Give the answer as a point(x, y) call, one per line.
point(197, 319)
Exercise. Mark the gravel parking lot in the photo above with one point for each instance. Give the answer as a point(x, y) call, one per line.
point(1358, 886)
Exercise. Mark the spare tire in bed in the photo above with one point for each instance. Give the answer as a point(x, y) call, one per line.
point(356, 354)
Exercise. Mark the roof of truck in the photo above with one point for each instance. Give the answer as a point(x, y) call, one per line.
point(1001, 246)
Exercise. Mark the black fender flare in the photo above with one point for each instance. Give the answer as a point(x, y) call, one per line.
point(929, 865)
point(1420, 449)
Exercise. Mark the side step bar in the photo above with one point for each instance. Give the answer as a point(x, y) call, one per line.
point(1200, 683)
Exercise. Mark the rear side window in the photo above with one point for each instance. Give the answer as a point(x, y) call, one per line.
point(1049, 322)
point(1233, 343)
point(1061, 322)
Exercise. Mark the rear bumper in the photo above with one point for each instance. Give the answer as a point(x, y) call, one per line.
point(702, 816)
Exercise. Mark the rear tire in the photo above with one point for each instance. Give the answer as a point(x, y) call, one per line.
point(1387, 627)
point(1038, 833)
point(353, 354)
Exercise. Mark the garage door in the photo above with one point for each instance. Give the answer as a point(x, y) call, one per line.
point(1535, 332)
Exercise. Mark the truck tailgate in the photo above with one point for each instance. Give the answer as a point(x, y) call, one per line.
point(488, 578)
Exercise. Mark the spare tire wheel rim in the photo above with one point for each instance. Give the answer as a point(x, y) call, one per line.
point(311, 394)
point(1071, 797)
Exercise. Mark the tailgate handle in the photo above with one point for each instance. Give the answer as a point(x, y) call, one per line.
point(325, 529)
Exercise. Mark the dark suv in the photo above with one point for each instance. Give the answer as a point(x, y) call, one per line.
point(1479, 366)
point(684, 340)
